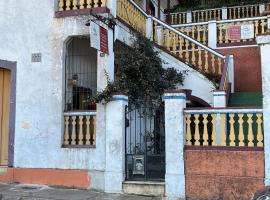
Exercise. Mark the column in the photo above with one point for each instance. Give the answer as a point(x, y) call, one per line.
point(175, 103)
point(224, 13)
point(212, 34)
point(220, 99)
point(189, 17)
point(115, 144)
point(264, 43)
point(149, 28)
point(261, 8)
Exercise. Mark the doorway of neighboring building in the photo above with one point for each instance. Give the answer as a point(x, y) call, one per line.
point(5, 90)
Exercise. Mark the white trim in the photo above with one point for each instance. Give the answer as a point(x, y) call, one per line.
point(224, 111)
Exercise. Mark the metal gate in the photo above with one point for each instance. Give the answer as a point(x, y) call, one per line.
point(145, 144)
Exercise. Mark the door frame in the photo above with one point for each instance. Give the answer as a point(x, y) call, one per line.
point(12, 67)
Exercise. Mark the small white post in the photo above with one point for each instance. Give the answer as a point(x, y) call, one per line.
point(231, 72)
point(149, 29)
point(261, 8)
point(189, 17)
point(212, 34)
point(224, 13)
point(111, 4)
point(264, 43)
point(175, 103)
point(115, 144)
point(220, 99)
point(159, 36)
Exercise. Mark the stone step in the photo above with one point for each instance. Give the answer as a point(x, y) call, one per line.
point(146, 188)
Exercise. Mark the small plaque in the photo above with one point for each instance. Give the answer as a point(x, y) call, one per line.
point(36, 57)
point(138, 164)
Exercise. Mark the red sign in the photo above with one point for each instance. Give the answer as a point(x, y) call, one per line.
point(235, 33)
point(104, 40)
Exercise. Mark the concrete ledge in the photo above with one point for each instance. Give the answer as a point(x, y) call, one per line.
point(144, 188)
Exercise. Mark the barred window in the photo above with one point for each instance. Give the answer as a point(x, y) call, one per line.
point(80, 74)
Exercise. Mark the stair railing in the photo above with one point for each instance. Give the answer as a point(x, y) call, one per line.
point(187, 49)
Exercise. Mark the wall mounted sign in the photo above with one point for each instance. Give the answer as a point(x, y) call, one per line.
point(36, 57)
point(241, 32)
point(99, 37)
point(95, 35)
point(247, 31)
point(138, 164)
point(234, 32)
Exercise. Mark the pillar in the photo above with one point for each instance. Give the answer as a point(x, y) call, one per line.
point(189, 17)
point(220, 99)
point(175, 103)
point(224, 13)
point(264, 44)
point(115, 144)
point(261, 8)
point(212, 34)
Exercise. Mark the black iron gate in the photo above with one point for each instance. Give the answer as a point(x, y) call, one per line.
point(145, 144)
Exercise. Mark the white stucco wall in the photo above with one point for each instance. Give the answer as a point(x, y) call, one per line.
point(28, 27)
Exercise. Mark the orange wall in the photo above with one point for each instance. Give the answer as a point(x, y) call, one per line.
point(52, 177)
point(247, 68)
point(223, 174)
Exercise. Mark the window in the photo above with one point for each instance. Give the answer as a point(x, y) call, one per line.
point(80, 75)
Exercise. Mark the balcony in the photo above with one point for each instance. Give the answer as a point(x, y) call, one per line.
point(67, 8)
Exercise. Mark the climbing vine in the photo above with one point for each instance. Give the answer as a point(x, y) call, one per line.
point(140, 75)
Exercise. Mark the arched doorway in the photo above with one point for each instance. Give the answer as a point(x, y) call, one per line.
point(5, 91)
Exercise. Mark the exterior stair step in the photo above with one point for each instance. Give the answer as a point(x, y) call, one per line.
point(145, 188)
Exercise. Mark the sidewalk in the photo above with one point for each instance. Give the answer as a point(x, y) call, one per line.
point(36, 192)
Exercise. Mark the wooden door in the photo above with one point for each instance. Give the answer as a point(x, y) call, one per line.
point(5, 77)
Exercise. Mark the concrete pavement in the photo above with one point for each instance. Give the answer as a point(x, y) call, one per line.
point(37, 192)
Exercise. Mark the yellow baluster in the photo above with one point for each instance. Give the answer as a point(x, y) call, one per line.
point(189, 137)
point(259, 131)
point(82, 4)
point(214, 131)
point(174, 42)
point(206, 61)
point(194, 17)
point(219, 66)
point(66, 140)
point(88, 134)
point(199, 58)
point(219, 15)
point(263, 26)
point(220, 37)
point(241, 136)
point(103, 3)
point(75, 4)
point(187, 50)
point(68, 4)
point(95, 133)
point(223, 129)
point(88, 4)
point(61, 5)
point(226, 35)
point(252, 12)
point(73, 134)
point(213, 63)
point(256, 27)
point(250, 131)
point(232, 134)
point(197, 133)
point(168, 41)
point(230, 13)
point(181, 41)
point(205, 130)
point(204, 34)
point(81, 130)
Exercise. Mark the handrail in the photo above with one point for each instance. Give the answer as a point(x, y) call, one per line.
point(222, 110)
point(224, 74)
point(220, 21)
point(188, 38)
point(177, 32)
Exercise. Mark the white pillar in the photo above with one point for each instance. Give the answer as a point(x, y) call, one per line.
point(189, 17)
point(111, 4)
point(268, 22)
point(149, 28)
point(212, 34)
point(264, 43)
point(115, 144)
point(224, 13)
point(231, 72)
point(220, 99)
point(175, 103)
point(261, 8)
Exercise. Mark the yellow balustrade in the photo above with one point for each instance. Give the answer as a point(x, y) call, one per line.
point(131, 15)
point(221, 128)
point(66, 5)
point(80, 129)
